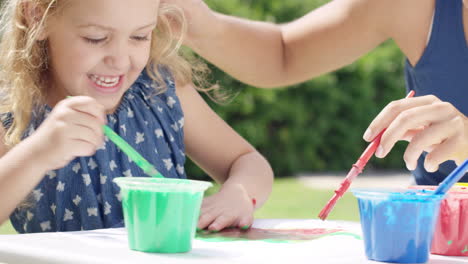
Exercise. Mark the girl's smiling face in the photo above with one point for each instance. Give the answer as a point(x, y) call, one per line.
point(98, 48)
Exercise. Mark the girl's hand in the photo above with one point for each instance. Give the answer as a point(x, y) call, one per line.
point(428, 124)
point(230, 207)
point(73, 129)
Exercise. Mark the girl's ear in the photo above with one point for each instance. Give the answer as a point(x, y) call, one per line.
point(33, 14)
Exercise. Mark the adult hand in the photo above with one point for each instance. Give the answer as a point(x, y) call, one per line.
point(429, 124)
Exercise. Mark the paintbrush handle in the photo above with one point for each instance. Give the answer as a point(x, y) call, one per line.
point(132, 153)
point(453, 178)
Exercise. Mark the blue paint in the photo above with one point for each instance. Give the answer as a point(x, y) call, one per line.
point(397, 226)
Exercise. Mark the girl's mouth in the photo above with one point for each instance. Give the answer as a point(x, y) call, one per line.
point(106, 83)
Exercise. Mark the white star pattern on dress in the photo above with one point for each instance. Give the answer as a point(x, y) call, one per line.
point(171, 102)
point(37, 194)
point(131, 96)
point(103, 179)
point(60, 186)
point(68, 215)
point(112, 165)
point(29, 215)
point(112, 119)
point(159, 133)
point(53, 207)
point(168, 163)
point(175, 126)
point(77, 200)
point(181, 122)
point(102, 147)
point(25, 227)
point(171, 138)
point(76, 167)
point(140, 137)
point(160, 109)
point(146, 123)
point(124, 129)
point(92, 211)
point(107, 208)
point(92, 164)
point(130, 113)
point(180, 169)
point(119, 196)
point(51, 174)
point(45, 226)
point(86, 179)
point(127, 173)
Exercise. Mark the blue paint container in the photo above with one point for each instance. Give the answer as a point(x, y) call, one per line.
point(398, 225)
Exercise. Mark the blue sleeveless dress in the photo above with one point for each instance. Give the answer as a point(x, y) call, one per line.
point(442, 71)
point(82, 196)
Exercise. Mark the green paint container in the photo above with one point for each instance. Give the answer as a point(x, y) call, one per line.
point(161, 214)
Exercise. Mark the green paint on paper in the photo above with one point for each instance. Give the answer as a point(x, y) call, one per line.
point(272, 235)
point(449, 242)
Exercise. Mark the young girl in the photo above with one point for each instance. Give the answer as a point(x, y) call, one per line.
point(117, 64)
point(431, 33)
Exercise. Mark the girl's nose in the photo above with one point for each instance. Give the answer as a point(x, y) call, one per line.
point(118, 57)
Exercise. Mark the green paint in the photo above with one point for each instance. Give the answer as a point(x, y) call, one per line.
point(465, 250)
point(161, 221)
point(132, 153)
point(449, 242)
point(161, 215)
point(245, 227)
point(269, 235)
point(356, 236)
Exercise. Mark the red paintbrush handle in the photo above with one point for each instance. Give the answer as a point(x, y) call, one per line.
point(369, 152)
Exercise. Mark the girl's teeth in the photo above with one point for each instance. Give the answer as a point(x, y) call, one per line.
point(105, 81)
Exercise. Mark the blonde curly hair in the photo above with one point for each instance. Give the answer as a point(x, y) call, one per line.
point(24, 60)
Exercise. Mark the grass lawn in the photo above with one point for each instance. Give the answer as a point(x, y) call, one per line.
point(289, 199)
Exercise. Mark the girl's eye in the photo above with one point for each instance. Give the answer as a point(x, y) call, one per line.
point(94, 41)
point(141, 38)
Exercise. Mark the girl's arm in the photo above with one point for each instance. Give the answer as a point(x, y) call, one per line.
point(228, 159)
point(267, 55)
point(73, 128)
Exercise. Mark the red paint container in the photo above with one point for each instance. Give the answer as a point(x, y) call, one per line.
point(451, 230)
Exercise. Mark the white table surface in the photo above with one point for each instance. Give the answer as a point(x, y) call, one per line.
point(110, 246)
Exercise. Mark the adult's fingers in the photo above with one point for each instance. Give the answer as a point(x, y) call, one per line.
point(426, 140)
point(422, 116)
point(392, 110)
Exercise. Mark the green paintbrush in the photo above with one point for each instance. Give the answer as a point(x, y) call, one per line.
point(131, 152)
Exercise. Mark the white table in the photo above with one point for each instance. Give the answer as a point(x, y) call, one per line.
point(110, 246)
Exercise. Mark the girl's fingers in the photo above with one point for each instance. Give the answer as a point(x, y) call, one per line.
point(85, 134)
point(221, 222)
point(422, 116)
point(206, 218)
point(426, 140)
point(246, 221)
point(87, 105)
point(394, 109)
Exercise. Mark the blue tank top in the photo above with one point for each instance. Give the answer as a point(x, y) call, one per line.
point(82, 196)
point(442, 71)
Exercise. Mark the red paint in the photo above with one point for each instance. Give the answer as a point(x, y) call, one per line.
point(354, 172)
point(230, 234)
point(451, 231)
